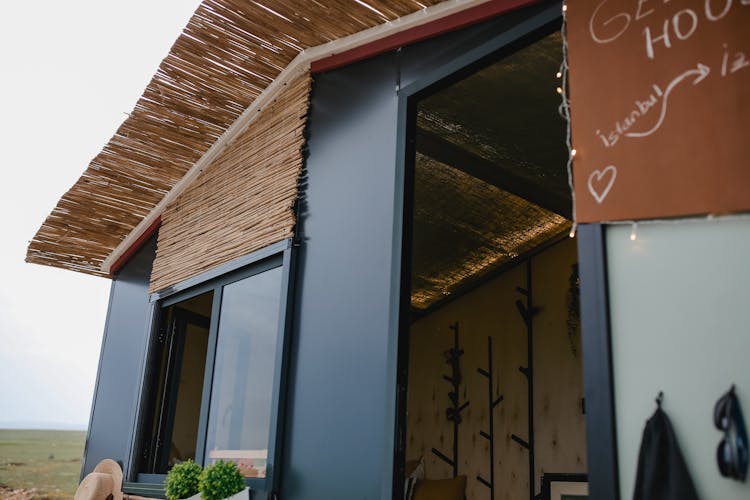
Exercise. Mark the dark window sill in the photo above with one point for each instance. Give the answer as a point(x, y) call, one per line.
point(150, 490)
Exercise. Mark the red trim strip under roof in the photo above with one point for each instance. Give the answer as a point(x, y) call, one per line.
point(137, 245)
point(453, 22)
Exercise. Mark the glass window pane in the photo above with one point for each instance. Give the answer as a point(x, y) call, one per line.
point(240, 411)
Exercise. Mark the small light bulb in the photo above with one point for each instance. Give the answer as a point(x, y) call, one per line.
point(565, 7)
point(572, 233)
point(573, 152)
point(559, 90)
point(634, 232)
point(559, 74)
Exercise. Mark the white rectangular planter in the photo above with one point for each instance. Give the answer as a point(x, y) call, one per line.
point(242, 495)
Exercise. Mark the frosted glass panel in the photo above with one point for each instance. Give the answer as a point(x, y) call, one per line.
point(680, 314)
point(240, 411)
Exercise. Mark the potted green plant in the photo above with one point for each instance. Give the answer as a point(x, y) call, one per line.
point(223, 480)
point(182, 480)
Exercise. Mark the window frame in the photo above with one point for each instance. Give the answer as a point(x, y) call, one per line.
point(278, 255)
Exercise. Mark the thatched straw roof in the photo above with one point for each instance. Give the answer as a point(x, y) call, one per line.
point(227, 56)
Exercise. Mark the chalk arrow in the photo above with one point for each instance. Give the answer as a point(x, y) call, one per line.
point(700, 72)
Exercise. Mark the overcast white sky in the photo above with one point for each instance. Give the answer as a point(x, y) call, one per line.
point(69, 71)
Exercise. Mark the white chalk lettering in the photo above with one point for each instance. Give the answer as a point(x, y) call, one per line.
point(601, 182)
point(608, 21)
point(724, 61)
point(740, 61)
point(731, 62)
point(604, 139)
point(639, 14)
point(715, 17)
point(679, 26)
point(700, 72)
point(650, 39)
point(640, 109)
point(621, 22)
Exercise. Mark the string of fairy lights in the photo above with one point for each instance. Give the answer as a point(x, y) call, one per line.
point(564, 109)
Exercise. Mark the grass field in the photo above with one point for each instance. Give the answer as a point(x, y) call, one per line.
point(49, 461)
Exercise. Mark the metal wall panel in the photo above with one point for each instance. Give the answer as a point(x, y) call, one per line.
point(120, 364)
point(336, 432)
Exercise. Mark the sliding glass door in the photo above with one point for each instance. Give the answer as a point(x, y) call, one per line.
point(214, 376)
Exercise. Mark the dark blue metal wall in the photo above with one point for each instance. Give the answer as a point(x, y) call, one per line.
point(341, 404)
point(337, 436)
point(120, 363)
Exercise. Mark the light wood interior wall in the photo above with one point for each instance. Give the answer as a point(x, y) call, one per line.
point(558, 419)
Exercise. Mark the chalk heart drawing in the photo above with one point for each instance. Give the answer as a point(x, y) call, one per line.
point(601, 181)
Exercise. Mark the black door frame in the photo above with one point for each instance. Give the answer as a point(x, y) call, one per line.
point(596, 342)
point(598, 379)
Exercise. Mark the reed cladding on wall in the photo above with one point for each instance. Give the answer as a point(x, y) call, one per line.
point(244, 200)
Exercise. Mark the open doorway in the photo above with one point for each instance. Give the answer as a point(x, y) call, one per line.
point(493, 402)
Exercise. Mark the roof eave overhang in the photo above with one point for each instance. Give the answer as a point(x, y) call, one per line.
point(428, 22)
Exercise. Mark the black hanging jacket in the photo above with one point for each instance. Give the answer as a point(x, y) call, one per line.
point(662, 473)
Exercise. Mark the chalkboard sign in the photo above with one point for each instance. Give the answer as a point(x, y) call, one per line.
point(660, 107)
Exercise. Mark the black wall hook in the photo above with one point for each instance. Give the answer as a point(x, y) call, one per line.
point(659, 399)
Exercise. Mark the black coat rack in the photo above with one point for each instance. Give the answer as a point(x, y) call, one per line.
point(492, 404)
point(528, 311)
point(453, 412)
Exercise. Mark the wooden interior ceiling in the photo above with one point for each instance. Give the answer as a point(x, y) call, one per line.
point(230, 51)
point(490, 177)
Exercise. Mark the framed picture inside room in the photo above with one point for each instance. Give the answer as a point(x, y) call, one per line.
point(560, 486)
